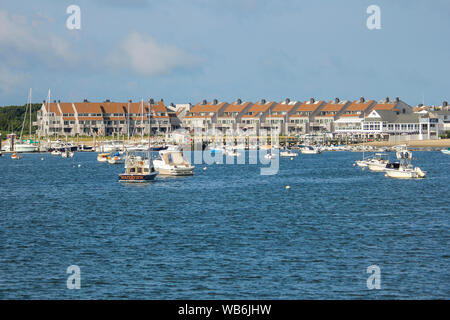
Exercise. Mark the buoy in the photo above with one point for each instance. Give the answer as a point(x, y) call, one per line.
point(354, 164)
point(292, 158)
point(42, 158)
point(79, 166)
point(204, 168)
point(288, 187)
point(363, 169)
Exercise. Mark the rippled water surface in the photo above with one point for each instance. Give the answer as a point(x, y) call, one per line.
point(227, 232)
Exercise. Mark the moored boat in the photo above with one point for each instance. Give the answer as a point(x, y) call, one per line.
point(378, 162)
point(404, 169)
point(138, 169)
point(171, 162)
point(310, 150)
point(446, 151)
point(116, 159)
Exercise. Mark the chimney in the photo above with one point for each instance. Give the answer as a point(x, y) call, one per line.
point(59, 101)
point(287, 100)
point(444, 103)
point(85, 100)
point(162, 100)
point(263, 101)
point(239, 101)
point(336, 100)
point(311, 100)
point(130, 101)
point(151, 101)
point(387, 100)
point(420, 105)
point(43, 101)
point(54, 101)
point(204, 102)
point(107, 100)
point(172, 105)
point(397, 99)
point(215, 101)
point(362, 100)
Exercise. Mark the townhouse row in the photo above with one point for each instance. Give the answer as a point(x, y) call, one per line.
point(105, 118)
point(356, 118)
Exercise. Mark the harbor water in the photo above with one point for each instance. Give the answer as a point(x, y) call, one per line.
point(225, 233)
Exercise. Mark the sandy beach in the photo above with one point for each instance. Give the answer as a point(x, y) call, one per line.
point(441, 143)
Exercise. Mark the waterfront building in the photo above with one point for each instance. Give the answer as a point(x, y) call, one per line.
point(254, 118)
point(278, 117)
point(203, 115)
point(231, 116)
point(104, 118)
point(301, 116)
point(323, 121)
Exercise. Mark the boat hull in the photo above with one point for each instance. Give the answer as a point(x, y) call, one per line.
point(137, 178)
point(377, 167)
point(175, 171)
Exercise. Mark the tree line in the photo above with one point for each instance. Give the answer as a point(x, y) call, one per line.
point(11, 119)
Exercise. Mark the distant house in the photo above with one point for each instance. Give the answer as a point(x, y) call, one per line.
point(230, 117)
point(301, 116)
point(254, 118)
point(323, 120)
point(203, 115)
point(278, 117)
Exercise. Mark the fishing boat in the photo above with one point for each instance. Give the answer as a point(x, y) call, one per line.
point(446, 151)
point(404, 169)
point(138, 169)
point(310, 150)
point(378, 162)
point(15, 156)
point(172, 163)
point(116, 159)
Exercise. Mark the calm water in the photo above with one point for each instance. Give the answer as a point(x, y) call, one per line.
point(226, 232)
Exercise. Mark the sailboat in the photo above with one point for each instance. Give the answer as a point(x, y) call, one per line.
point(27, 146)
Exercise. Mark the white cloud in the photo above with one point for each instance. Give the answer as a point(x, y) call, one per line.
point(19, 36)
point(144, 55)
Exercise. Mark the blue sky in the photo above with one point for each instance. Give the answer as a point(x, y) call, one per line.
point(189, 50)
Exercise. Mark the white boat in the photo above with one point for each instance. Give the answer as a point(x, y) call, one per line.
point(172, 163)
point(404, 169)
point(288, 153)
point(446, 151)
point(103, 157)
point(138, 169)
point(116, 159)
point(56, 153)
point(270, 156)
point(378, 162)
point(67, 154)
point(310, 150)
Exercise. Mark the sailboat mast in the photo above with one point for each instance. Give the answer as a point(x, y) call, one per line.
point(31, 94)
point(142, 119)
